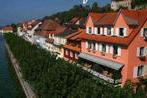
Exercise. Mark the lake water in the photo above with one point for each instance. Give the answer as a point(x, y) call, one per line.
point(9, 85)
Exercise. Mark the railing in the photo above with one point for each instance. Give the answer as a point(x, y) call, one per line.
point(101, 76)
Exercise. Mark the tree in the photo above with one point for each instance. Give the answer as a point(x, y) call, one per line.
point(14, 26)
point(95, 7)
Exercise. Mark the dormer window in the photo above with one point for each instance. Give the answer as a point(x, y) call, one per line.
point(98, 30)
point(109, 31)
point(121, 32)
point(89, 30)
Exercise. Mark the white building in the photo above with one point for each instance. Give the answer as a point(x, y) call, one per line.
point(116, 4)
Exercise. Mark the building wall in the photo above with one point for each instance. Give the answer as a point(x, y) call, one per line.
point(134, 61)
point(124, 58)
point(70, 55)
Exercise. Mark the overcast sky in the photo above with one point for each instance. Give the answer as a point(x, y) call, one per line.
point(20, 10)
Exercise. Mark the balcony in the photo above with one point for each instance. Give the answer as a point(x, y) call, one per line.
point(72, 47)
point(101, 76)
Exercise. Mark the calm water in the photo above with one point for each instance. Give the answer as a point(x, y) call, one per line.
point(9, 85)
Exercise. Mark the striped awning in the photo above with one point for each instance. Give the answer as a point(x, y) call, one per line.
point(101, 61)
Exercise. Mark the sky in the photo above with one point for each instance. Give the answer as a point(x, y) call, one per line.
point(13, 11)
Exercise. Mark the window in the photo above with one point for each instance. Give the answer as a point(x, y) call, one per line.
point(92, 45)
point(140, 70)
point(98, 30)
point(103, 48)
point(141, 53)
point(89, 45)
point(145, 33)
point(115, 50)
point(90, 30)
point(109, 31)
point(121, 31)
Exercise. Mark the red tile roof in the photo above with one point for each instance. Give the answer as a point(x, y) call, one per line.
point(74, 48)
point(141, 18)
point(107, 19)
point(8, 28)
point(50, 27)
point(74, 36)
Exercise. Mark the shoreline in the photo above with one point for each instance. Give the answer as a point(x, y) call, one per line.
point(25, 86)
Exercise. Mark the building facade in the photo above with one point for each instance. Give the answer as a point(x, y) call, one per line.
point(114, 45)
point(73, 47)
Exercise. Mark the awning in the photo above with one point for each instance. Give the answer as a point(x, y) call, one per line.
point(101, 61)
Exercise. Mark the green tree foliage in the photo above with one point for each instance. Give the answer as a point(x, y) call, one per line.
point(95, 7)
point(136, 3)
point(79, 11)
point(55, 78)
point(14, 26)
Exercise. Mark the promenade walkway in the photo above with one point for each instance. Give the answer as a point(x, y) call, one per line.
point(26, 87)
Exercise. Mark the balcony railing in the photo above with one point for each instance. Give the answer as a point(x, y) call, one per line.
point(101, 76)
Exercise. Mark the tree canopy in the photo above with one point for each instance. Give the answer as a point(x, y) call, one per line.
point(52, 77)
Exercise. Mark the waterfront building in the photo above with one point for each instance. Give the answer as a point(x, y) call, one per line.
point(73, 46)
point(7, 29)
point(114, 45)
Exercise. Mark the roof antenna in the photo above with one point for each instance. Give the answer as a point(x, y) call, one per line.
point(85, 1)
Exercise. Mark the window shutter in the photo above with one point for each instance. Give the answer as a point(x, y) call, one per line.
point(138, 51)
point(145, 70)
point(96, 45)
point(105, 31)
point(111, 49)
point(135, 72)
point(86, 44)
point(95, 30)
point(71, 54)
point(119, 51)
point(112, 31)
point(107, 48)
point(125, 31)
point(145, 51)
point(100, 47)
point(87, 30)
point(117, 32)
point(101, 30)
point(92, 30)
point(141, 32)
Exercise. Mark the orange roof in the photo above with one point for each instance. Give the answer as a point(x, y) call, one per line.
point(50, 27)
point(95, 16)
point(74, 36)
point(107, 19)
point(141, 18)
point(74, 48)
